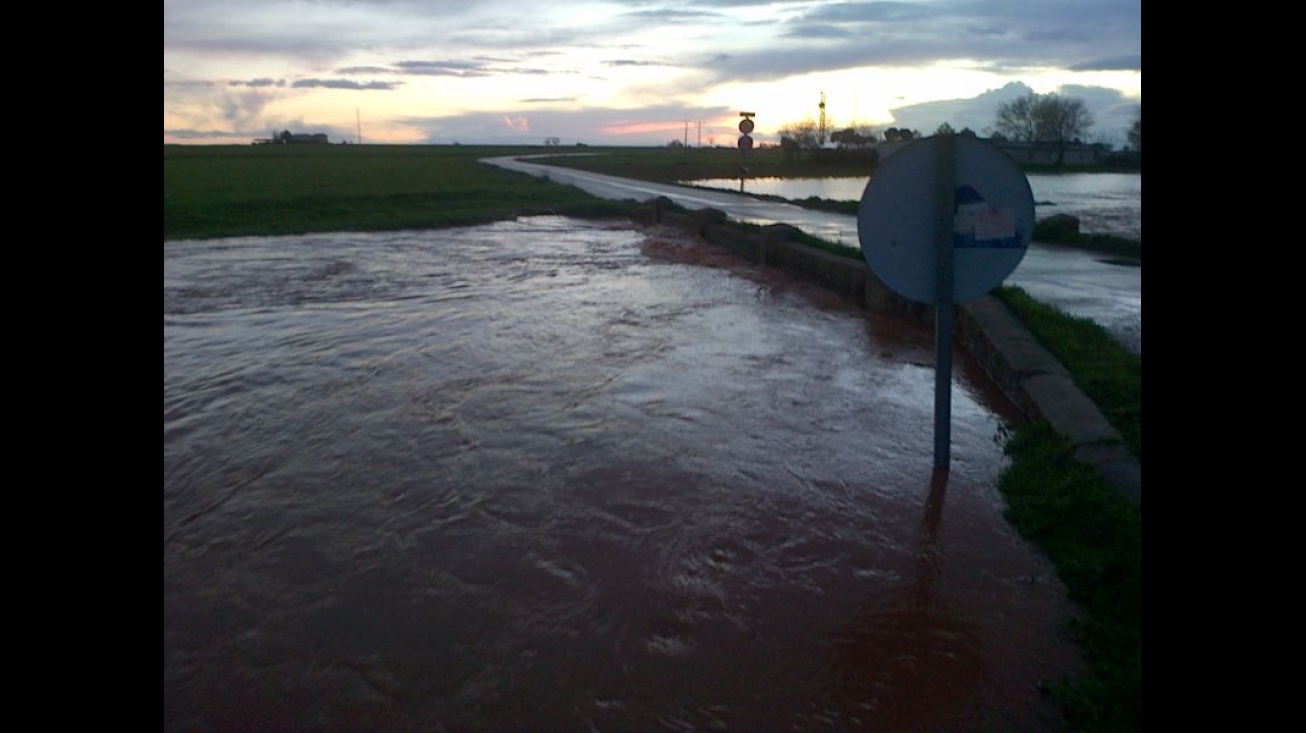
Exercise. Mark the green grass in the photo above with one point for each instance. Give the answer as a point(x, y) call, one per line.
point(1094, 537)
point(1092, 534)
point(1057, 230)
point(226, 191)
point(1105, 370)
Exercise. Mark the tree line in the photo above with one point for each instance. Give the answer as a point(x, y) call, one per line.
point(1050, 119)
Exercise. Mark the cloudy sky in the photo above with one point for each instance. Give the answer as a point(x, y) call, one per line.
point(633, 72)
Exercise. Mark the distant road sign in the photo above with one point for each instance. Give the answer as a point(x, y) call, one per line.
point(992, 219)
point(745, 142)
point(745, 125)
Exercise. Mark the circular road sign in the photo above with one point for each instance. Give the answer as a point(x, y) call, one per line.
point(745, 125)
point(745, 142)
point(993, 221)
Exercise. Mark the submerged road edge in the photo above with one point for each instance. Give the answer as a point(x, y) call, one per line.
point(1020, 366)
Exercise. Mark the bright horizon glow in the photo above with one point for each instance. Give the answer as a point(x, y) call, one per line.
point(632, 73)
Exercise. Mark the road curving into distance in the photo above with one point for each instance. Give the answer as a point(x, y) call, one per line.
point(1081, 283)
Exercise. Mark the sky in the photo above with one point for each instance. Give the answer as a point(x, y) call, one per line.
point(634, 72)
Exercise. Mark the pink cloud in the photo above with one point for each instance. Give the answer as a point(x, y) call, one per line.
point(520, 124)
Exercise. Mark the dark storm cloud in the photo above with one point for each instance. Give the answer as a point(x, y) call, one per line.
point(442, 68)
point(198, 135)
point(672, 15)
point(1012, 34)
point(1009, 34)
point(895, 12)
point(806, 37)
point(365, 70)
point(344, 84)
point(818, 31)
point(633, 62)
point(255, 83)
point(463, 69)
point(1130, 62)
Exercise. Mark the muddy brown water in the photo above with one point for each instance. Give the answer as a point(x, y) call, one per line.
point(570, 476)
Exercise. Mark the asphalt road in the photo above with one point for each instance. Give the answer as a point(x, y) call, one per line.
point(1078, 282)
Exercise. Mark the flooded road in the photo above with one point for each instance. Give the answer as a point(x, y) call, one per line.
point(570, 476)
point(1104, 203)
point(1081, 283)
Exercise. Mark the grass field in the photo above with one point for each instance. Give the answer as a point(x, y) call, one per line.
point(228, 191)
point(1091, 533)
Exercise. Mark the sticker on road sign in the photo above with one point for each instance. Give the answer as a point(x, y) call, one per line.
point(977, 224)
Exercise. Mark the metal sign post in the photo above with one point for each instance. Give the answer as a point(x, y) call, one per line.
point(944, 220)
point(745, 145)
point(944, 309)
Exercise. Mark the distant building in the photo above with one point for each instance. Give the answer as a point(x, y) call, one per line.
point(1037, 153)
point(288, 138)
point(1048, 153)
point(316, 138)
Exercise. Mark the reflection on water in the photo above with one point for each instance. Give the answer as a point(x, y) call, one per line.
point(1106, 203)
point(554, 475)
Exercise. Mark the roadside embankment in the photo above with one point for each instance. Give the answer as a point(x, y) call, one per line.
point(1004, 347)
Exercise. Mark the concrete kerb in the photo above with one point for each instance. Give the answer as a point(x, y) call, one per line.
point(1004, 347)
point(1040, 385)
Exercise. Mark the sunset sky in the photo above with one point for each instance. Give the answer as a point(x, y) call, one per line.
point(632, 72)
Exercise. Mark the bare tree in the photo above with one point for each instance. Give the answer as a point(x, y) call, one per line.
point(1017, 120)
point(1045, 118)
point(803, 135)
point(1136, 131)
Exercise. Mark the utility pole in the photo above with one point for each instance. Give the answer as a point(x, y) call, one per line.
point(820, 135)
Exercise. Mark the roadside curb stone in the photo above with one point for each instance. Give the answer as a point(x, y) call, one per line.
point(1037, 381)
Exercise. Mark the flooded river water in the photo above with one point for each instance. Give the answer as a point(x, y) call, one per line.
point(571, 476)
point(1104, 203)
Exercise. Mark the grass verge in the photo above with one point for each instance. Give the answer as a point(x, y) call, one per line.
point(1094, 537)
point(1091, 532)
point(1106, 371)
